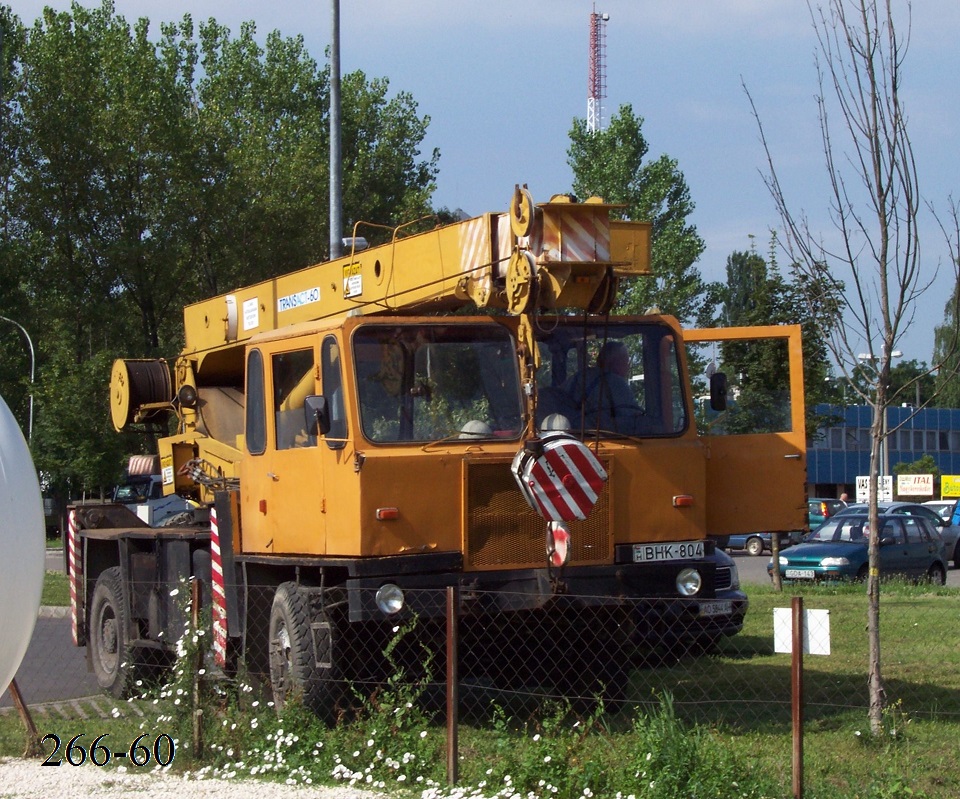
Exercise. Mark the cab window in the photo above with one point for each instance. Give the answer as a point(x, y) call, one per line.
point(256, 420)
point(293, 380)
point(431, 382)
point(332, 388)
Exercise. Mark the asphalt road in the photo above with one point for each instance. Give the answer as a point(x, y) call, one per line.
point(53, 668)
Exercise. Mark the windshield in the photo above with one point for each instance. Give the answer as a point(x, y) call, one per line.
point(610, 379)
point(422, 383)
point(844, 529)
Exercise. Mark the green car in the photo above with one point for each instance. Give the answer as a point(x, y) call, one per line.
point(837, 550)
point(819, 510)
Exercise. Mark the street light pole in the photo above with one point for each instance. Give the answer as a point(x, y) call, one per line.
point(884, 448)
point(32, 365)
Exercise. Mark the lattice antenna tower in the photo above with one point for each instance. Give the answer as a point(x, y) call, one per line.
point(597, 72)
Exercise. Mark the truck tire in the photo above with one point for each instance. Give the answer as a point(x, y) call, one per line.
point(295, 673)
point(109, 650)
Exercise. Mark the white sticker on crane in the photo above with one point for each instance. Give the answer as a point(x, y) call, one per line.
point(291, 301)
point(251, 314)
point(352, 280)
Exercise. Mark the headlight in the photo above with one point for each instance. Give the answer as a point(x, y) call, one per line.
point(784, 561)
point(689, 582)
point(734, 576)
point(390, 599)
point(834, 562)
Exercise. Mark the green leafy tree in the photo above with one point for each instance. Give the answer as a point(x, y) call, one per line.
point(263, 190)
point(613, 164)
point(947, 353)
point(757, 294)
point(141, 173)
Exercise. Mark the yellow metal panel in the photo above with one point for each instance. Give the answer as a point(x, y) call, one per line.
point(630, 247)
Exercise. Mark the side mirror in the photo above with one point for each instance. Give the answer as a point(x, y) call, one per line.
point(718, 391)
point(316, 409)
point(887, 541)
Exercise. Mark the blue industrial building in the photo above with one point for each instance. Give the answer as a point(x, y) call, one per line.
point(840, 453)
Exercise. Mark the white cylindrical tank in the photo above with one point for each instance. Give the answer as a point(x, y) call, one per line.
point(21, 546)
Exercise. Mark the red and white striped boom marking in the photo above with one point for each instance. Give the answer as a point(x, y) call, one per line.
point(74, 575)
point(218, 595)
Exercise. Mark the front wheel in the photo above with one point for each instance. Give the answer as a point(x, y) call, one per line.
point(301, 668)
point(937, 575)
point(755, 546)
point(109, 636)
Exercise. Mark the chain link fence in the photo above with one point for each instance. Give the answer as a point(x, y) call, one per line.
point(719, 667)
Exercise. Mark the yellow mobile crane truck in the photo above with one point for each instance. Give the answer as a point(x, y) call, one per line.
point(457, 407)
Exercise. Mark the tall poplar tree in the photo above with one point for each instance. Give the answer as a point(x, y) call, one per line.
point(613, 164)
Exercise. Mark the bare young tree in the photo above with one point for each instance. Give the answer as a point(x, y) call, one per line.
point(872, 261)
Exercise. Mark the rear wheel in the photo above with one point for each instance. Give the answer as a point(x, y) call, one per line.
point(755, 546)
point(937, 574)
point(109, 641)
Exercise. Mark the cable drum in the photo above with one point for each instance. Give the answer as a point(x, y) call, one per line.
point(134, 384)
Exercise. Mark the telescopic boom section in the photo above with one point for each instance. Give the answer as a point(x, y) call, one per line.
point(558, 254)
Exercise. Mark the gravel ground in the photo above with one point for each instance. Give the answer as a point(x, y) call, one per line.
point(28, 779)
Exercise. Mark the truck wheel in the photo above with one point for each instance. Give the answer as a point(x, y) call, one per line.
point(295, 674)
point(755, 546)
point(109, 651)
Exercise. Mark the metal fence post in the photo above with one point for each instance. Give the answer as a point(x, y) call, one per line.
point(453, 685)
point(796, 682)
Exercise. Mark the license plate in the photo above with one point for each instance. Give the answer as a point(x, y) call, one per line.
point(668, 550)
point(800, 574)
point(716, 607)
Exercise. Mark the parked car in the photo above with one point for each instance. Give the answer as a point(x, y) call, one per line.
point(821, 509)
point(944, 507)
point(899, 508)
point(757, 543)
point(909, 545)
point(949, 511)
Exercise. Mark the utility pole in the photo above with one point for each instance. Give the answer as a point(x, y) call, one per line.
point(336, 163)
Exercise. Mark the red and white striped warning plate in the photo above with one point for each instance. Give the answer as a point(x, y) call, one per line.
point(218, 595)
point(561, 478)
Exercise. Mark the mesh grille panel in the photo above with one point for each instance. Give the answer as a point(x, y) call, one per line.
point(504, 532)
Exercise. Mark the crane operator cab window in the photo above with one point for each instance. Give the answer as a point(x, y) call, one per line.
point(610, 380)
point(293, 381)
point(423, 383)
point(332, 384)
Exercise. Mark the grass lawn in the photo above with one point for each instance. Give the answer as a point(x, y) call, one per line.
point(737, 700)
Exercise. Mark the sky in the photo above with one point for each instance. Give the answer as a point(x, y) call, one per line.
point(502, 81)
